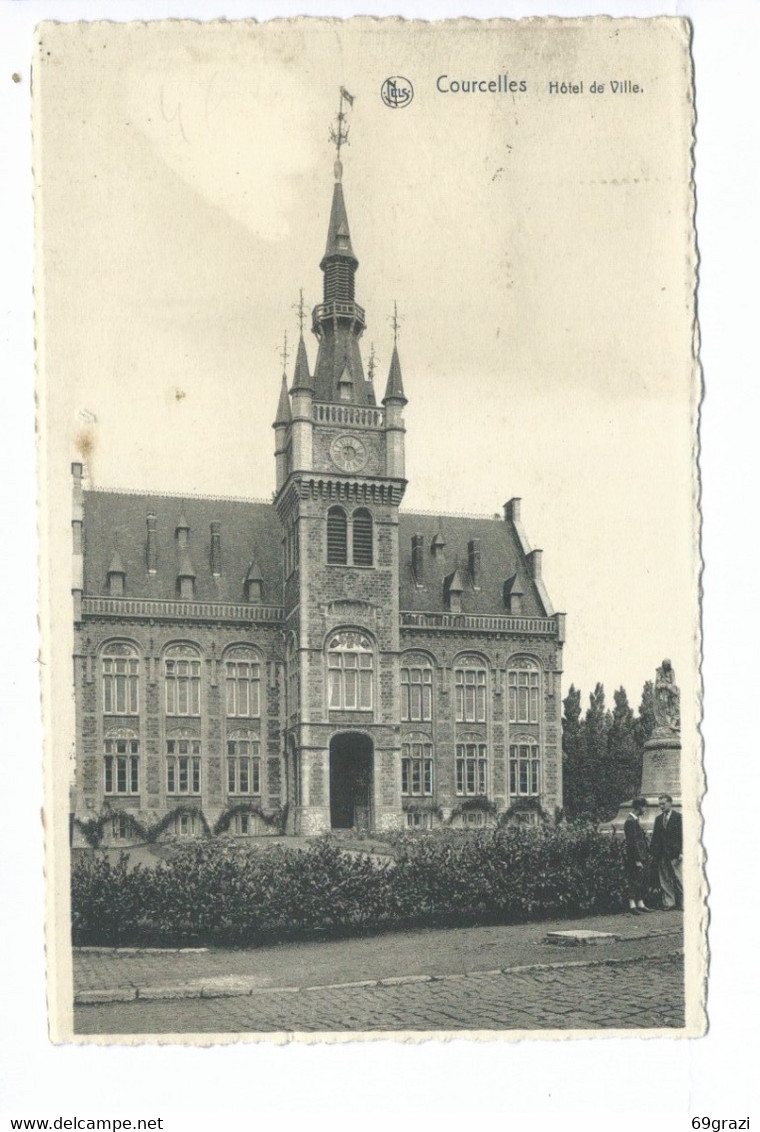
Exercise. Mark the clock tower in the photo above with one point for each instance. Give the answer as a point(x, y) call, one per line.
point(340, 480)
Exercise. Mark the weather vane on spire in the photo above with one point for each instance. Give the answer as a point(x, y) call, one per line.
point(284, 352)
point(339, 132)
point(395, 322)
point(300, 311)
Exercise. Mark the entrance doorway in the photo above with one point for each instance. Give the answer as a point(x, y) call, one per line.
point(351, 782)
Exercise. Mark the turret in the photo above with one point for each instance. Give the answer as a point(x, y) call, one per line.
point(302, 428)
point(394, 401)
point(281, 427)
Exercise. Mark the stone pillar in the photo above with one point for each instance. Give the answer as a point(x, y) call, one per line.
point(661, 769)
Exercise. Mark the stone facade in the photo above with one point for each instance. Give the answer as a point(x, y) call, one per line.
point(323, 661)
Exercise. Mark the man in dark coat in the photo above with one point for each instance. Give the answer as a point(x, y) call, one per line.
point(667, 852)
point(636, 858)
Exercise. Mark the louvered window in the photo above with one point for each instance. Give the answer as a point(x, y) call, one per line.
point(362, 538)
point(337, 537)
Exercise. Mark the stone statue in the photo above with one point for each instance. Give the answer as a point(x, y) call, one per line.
point(667, 699)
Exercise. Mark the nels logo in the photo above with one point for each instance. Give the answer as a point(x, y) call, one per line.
point(397, 92)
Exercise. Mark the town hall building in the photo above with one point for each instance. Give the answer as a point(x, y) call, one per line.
point(323, 661)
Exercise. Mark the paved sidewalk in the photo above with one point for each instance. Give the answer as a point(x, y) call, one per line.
point(124, 975)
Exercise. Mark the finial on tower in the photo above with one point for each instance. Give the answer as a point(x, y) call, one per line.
point(395, 322)
point(300, 310)
point(339, 132)
point(371, 363)
point(284, 352)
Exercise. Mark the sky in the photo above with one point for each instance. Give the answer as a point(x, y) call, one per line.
point(539, 246)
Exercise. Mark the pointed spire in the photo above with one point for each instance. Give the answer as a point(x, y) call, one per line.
point(301, 376)
point(338, 232)
point(394, 390)
point(284, 415)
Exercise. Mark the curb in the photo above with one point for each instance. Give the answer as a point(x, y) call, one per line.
point(245, 988)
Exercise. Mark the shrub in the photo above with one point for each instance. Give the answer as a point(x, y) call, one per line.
point(218, 892)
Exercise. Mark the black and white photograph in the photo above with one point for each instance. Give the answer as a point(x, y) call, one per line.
point(369, 394)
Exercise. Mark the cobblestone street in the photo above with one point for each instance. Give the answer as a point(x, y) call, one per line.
point(493, 977)
point(636, 994)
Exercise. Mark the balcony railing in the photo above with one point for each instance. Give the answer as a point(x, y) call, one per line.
point(178, 610)
point(338, 310)
point(479, 623)
point(326, 413)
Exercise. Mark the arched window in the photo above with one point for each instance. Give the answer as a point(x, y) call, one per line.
point(182, 677)
point(472, 767)
point(416, 688)
point(121, 762)
point(523, 682)
point(524, 767)
point(242, 667)
point(243, 763)
point(417, 765)
point(183, 764)
point(121, 679)
point(470, 680)
point(337, 537)
point(362, 537)
point(349, 671)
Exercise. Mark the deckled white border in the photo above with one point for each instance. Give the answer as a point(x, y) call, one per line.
point(711, 1077)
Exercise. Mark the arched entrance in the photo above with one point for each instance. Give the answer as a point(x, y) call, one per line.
point(351, 781)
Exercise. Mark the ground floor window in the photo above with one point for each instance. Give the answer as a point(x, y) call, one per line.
point(417, 768)
point(472, 768)
point(183, 766)
point(473, 817)
point(121, 766)
point(122, 828)
point(187, 825)
point(524, 769)
point(419, 820)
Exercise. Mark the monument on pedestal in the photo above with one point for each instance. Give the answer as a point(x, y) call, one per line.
point(661, 768)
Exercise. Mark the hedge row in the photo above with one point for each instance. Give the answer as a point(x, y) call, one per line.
point(215, 892)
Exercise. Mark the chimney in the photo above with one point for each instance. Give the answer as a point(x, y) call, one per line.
point(418, 558)
point(512, 511)
point(152, 547)
point(216, 549)
point(473, 562)
point(534, 564)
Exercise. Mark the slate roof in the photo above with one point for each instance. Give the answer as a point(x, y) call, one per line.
point(338, 233)
point(249, 531)
point(501, 557)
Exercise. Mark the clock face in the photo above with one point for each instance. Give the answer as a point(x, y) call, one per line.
point(349, 453)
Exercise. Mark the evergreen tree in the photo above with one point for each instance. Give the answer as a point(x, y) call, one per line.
point(597, 724)
point(644, 725)
point(624, 779)
point(573, 754)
